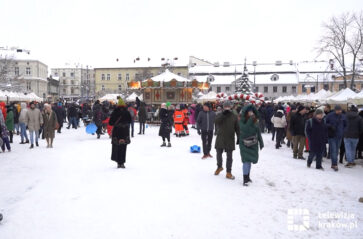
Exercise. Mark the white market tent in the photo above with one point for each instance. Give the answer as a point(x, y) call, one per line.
point(357, 99)
point(132, 97)
point(18, 96)
point(211, 96)
point(342, 97)
point(110, 97)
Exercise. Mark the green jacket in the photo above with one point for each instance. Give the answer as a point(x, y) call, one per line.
point(249, 128)
point(9, 122)
point(227, 125)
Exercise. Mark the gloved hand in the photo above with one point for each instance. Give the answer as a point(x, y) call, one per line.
point(261, 146)
point(237, 143)
point(199, 132)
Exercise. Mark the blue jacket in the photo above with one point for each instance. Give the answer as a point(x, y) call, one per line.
point(336, 125)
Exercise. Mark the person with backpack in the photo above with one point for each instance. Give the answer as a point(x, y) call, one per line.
point(317, 134)
point(351, 135)
point(336, 124)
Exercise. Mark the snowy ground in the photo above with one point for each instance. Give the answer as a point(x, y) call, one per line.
point(75, 191)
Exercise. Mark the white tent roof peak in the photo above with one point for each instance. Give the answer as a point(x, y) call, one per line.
point(168, 76)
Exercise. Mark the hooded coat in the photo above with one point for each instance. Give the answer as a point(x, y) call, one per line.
point(227, 124)
point(142, 113)
point(165, 126)
point(279, 119)
point(9, 122)
point(317, 133)
point(22, 115)
point(249, 128)
point(33, 119)
point(354, 125)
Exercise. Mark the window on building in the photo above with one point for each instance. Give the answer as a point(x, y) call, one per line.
point(304, 88)
point(28, 85)
point(119, 88)
point(274, 89)
point(265, 89)
point(179, 74)
point(55, 73)
point(256, 89)
point(103, 87)
point(284, 89)
point(119, 77)
point(227, 89)
point(72, 74)
point(218, 89)
point(28, 71)
point(72, 82)
point(64, 82)
point(72, 90)
point(341, 86)
point(103, 77)
point(312, 89)
point(326, 86)
point(293, 89)
point(108, 77)
point(64, 74)
point(17, 71)
point(64, 91)
point(127, 77)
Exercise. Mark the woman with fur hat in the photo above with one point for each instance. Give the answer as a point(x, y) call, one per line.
point(120, 120)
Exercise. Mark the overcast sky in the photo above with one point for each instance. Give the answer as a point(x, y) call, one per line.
point(97, 32)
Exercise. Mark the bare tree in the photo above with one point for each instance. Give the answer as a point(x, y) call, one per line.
point(355, 43)
point(9, 79)
point(343, 40)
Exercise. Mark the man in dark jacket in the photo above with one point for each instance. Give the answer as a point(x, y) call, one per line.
point(297, 130)
point(351, 135)
point(205, 126)
point(317, 134)
point(72, 115)
point(98, 117)
point(61, 115)
point(142, 117)
point(336, 124)
point(165, 126)
point(227, 123)
point(262, 114)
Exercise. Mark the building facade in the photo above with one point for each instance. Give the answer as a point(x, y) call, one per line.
point(53, 89)
point(75, 82)
point(20, 71)
point(115, 80)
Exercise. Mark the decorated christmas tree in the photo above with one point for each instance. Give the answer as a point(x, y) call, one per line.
point(243, 84)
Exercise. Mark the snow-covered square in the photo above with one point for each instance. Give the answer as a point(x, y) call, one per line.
point(74, 190)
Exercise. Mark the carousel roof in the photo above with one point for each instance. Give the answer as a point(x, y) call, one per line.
point(168, 76)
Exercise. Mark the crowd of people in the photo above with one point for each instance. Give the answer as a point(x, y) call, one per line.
point(323, 132)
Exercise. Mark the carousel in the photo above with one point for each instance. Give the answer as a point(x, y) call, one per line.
point(168, 87)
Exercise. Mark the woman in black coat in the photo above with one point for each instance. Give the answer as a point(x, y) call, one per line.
point(165, 126)
point(120, 120)
point(142, 117)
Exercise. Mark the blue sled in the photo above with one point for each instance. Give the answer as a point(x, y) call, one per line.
point(91, 128)
point(194, 149)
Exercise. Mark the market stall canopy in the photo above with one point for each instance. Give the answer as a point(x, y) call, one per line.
point(132, 97)
point(168, 76)
point(211, 96)
point(110, 97)
point(357, 99)
point(19, 96)
point(342, 97)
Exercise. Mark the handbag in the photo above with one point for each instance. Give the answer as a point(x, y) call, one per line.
point(250, 141)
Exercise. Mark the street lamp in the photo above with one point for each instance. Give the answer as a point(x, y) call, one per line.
point(254, 75)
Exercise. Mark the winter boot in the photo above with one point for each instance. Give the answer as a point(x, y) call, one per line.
point(205, 157)
point(37, 144)
point(169, 144)
point(98, 136)
point(248, 178)
point(210, 156)
point(163, 145)
point(32, 146)
point(121, 165)
point(245, 180)
point(22, 142)
point(335, 168)
point(27, 141)
point(218, 171)
point(230, 176)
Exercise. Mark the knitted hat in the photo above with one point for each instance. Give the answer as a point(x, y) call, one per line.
point(168, 104)
point(337, 107)
point(121, 102)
